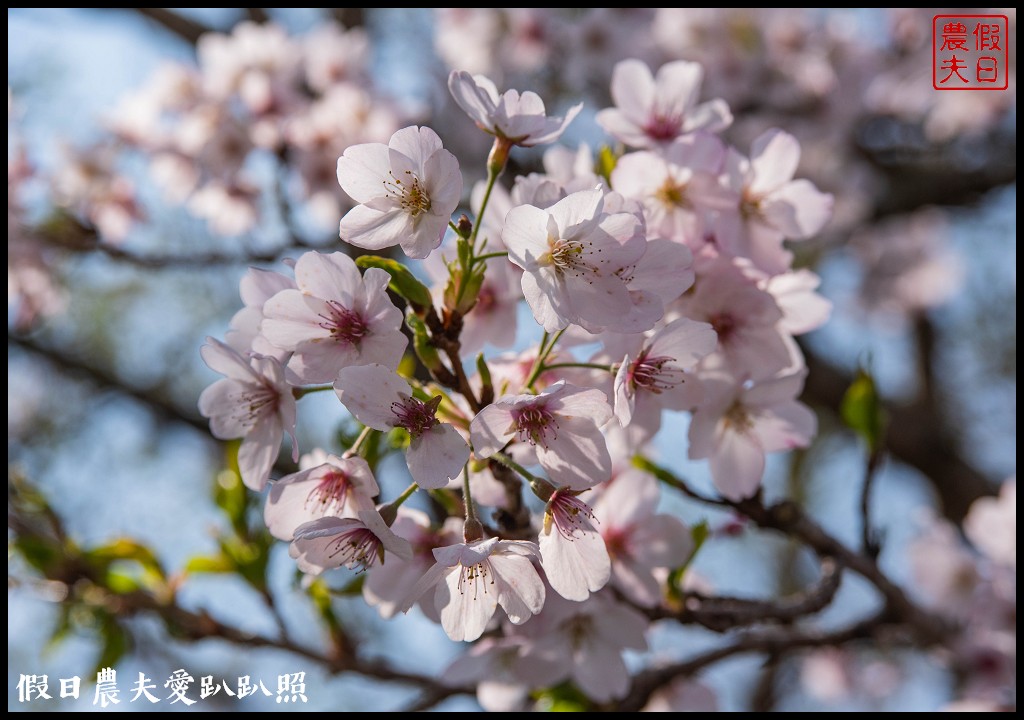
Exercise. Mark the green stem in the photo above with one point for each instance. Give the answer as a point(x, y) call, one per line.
point(546, 347)
point(541, 487)
point(303, 392)
point(454, 227)
point(354, 450)
point(467, 496)
point(592, 366)
point(488, 256)
point(406, 494)
point(492, 177)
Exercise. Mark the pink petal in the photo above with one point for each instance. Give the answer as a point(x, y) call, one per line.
point(737, 464)
point(774, 156)
point(437, 456)
point(368, 392)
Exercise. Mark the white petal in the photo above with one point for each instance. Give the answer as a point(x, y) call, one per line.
point(258, 451)
point(520, 589)
point(774, 156)
point(489, 429)
point(798, 209)
point(737, 464)
point(574, 566)
point(466, 606)
point(368, 392)
point(437, 456)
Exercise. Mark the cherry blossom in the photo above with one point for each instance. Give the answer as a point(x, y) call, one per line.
point(338, 487)
point(256, 287)
point(677, 186)
point(253, 402)
point(503, 671)
point(387, 586)
point(573, 255)
point(586, 641)
point(517, 119)
point(652, 110)
point(683, 695)
point(740, 421)
point(772, 206)
point(470, 580)
point(639, 540)
point(335, 318)
point(562, 424)
point(332, 542)
point(653, 374)
point(381, 399)
point(991, 525)
point(407, 191)
point(572, 552)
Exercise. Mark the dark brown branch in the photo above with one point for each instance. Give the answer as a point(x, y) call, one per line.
point(185, 28)
point(257, 15)
point(771, 643)
point(723, 614)
point(161, 405)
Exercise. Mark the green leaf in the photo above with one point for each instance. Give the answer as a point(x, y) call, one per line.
point(403, 282)
point(126, 549)
point(862, 410)
point(209, 564)
point(605, 164)
point(425, 349)
point(562, 698)
point(699, 533)
point(115, 643)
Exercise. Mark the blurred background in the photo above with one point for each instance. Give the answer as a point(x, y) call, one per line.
point(154, 155)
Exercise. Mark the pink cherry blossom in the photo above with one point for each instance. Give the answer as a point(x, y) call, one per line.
point(407, 191)
point(573, 255)
point(387, 586)
point(991, 525)
point(470, 580)
point(572, 552)
point(253, 402)
point(562, 424)
point(333, 542)
point(586, 641)
point(772, 206)
point(334, 319)
point(745, 317)
point(339, 487)
point(381, 399)
point(256, 287)
point(739, 422)
point(503, 671)
point(653, 374)
point(639, 540)
point(653, 110)
point(677, 186)
point(519, 119)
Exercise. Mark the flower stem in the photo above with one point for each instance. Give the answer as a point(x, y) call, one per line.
point(354, 450)
point(592, 366)
point(541, 487)
point(390, 511)
point(303, 392)
point(473, 529)
point(543, 352)
point(488, 256)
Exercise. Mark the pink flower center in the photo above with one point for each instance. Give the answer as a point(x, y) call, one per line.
point(331, 492)
point(724, 323)
point(616, 540)
point(738, 418)
point(255, 404)
point(569, 513)
point(358, 549)
point(414, 415)
point(345, 325)
point(655, 374)
point(662, 127)
point(533, 424)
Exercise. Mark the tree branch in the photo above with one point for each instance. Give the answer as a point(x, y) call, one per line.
point(185, 28)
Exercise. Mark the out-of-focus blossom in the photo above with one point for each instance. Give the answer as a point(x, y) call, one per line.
point(683, 695)
point(740, 421)
point(991, 525)
point(638, 538)
point(651, 110)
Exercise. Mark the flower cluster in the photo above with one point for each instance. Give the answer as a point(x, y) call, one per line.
point(661, 282)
